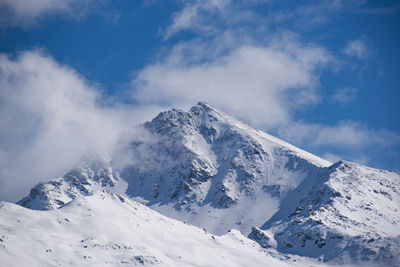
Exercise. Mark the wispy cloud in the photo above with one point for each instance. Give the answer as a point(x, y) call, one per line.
point(385, 10)
point(357, 48)
point(344, 95)
point(27, 13)
point(331, 157)
point(210, 17)
point(308, 14)
point(193, 15)
point(346, 134)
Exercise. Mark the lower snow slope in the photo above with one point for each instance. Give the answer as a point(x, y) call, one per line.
point(110, 230)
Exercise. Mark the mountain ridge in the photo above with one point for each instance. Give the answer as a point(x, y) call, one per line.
point(351, 212)
point(215, 172)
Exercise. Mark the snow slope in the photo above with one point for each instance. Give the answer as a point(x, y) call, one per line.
point(107, 229)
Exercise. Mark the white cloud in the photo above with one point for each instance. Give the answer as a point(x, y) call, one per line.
point(261, 84)
point(25, 13)
point(193, 14)
point(317, 12)
point(211, 17)
point(348, 140)
point(344, 95)
point(331, 157)
point(346, 134)
point(385, 10)
point(51, 117)
point(357, 48)
point(361, 159)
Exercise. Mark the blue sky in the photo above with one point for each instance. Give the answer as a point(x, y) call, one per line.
point(323, 75)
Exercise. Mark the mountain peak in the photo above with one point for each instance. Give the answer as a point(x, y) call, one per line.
point(204, 161)
point(204, 105)
point(203, 108)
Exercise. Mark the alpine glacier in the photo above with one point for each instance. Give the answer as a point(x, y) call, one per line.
point(212, 171)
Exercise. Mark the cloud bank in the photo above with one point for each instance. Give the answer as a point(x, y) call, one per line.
point(50, 117)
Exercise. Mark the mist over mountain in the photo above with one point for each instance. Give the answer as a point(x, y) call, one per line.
point(250, 199)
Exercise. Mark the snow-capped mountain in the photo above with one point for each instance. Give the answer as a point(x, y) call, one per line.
point(215, 172)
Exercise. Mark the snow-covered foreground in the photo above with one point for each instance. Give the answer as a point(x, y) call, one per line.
point(106, 229)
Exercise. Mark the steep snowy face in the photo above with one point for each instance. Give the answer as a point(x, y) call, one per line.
point(350, 212)
point(214, 171)
point(82, 180)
